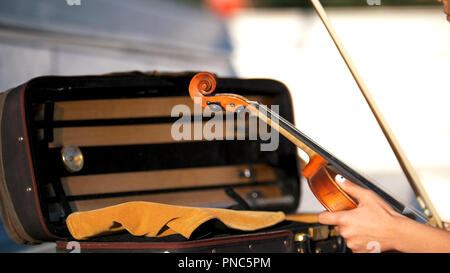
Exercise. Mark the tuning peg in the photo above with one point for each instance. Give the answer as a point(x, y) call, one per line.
point(215, 107)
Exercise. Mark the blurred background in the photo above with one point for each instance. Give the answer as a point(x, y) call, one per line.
point(401, 49)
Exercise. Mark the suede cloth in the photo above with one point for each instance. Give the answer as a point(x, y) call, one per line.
point(158, 220)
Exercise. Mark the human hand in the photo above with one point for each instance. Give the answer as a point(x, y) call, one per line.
point(372, 226)
point(446, 8)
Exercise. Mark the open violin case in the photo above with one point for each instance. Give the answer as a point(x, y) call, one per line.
point(119, 125)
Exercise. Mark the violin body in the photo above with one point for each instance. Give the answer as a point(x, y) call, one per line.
point(321, 181)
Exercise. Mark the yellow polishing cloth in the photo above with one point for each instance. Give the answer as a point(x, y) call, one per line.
point(158, 220)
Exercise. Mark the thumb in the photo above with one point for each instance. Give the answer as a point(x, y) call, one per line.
point(331, 218)
point(350, 188)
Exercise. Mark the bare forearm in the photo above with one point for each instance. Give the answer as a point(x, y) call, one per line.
point(414, 237)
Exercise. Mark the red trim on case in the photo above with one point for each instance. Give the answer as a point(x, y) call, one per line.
point(30, 164)
point(171, 245)
point(14, 229)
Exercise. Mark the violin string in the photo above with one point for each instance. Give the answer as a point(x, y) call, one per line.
point(291, 126)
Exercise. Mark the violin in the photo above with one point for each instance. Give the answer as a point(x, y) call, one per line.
point(323, 167)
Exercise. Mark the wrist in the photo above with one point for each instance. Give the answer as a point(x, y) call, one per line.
point(405, 235)
point(399, 228)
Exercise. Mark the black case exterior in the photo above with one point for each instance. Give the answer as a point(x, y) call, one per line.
point(30, 165)
point(21, 206)
point(286, 237)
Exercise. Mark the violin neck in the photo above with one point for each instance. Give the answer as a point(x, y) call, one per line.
point(303, 142)
point(282, 126)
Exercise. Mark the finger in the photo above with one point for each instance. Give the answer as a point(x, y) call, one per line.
point(337, 229)
point(327, 218)
point(331, 218)
point(350, 188)
point(384, 205)
point(361, 194)
point(354, 246)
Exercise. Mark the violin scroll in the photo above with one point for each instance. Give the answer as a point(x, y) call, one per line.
point(202, 84)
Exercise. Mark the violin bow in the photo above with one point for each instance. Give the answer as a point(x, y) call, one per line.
point(412, 177)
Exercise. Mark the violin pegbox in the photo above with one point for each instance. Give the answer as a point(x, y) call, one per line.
point(201, 90)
